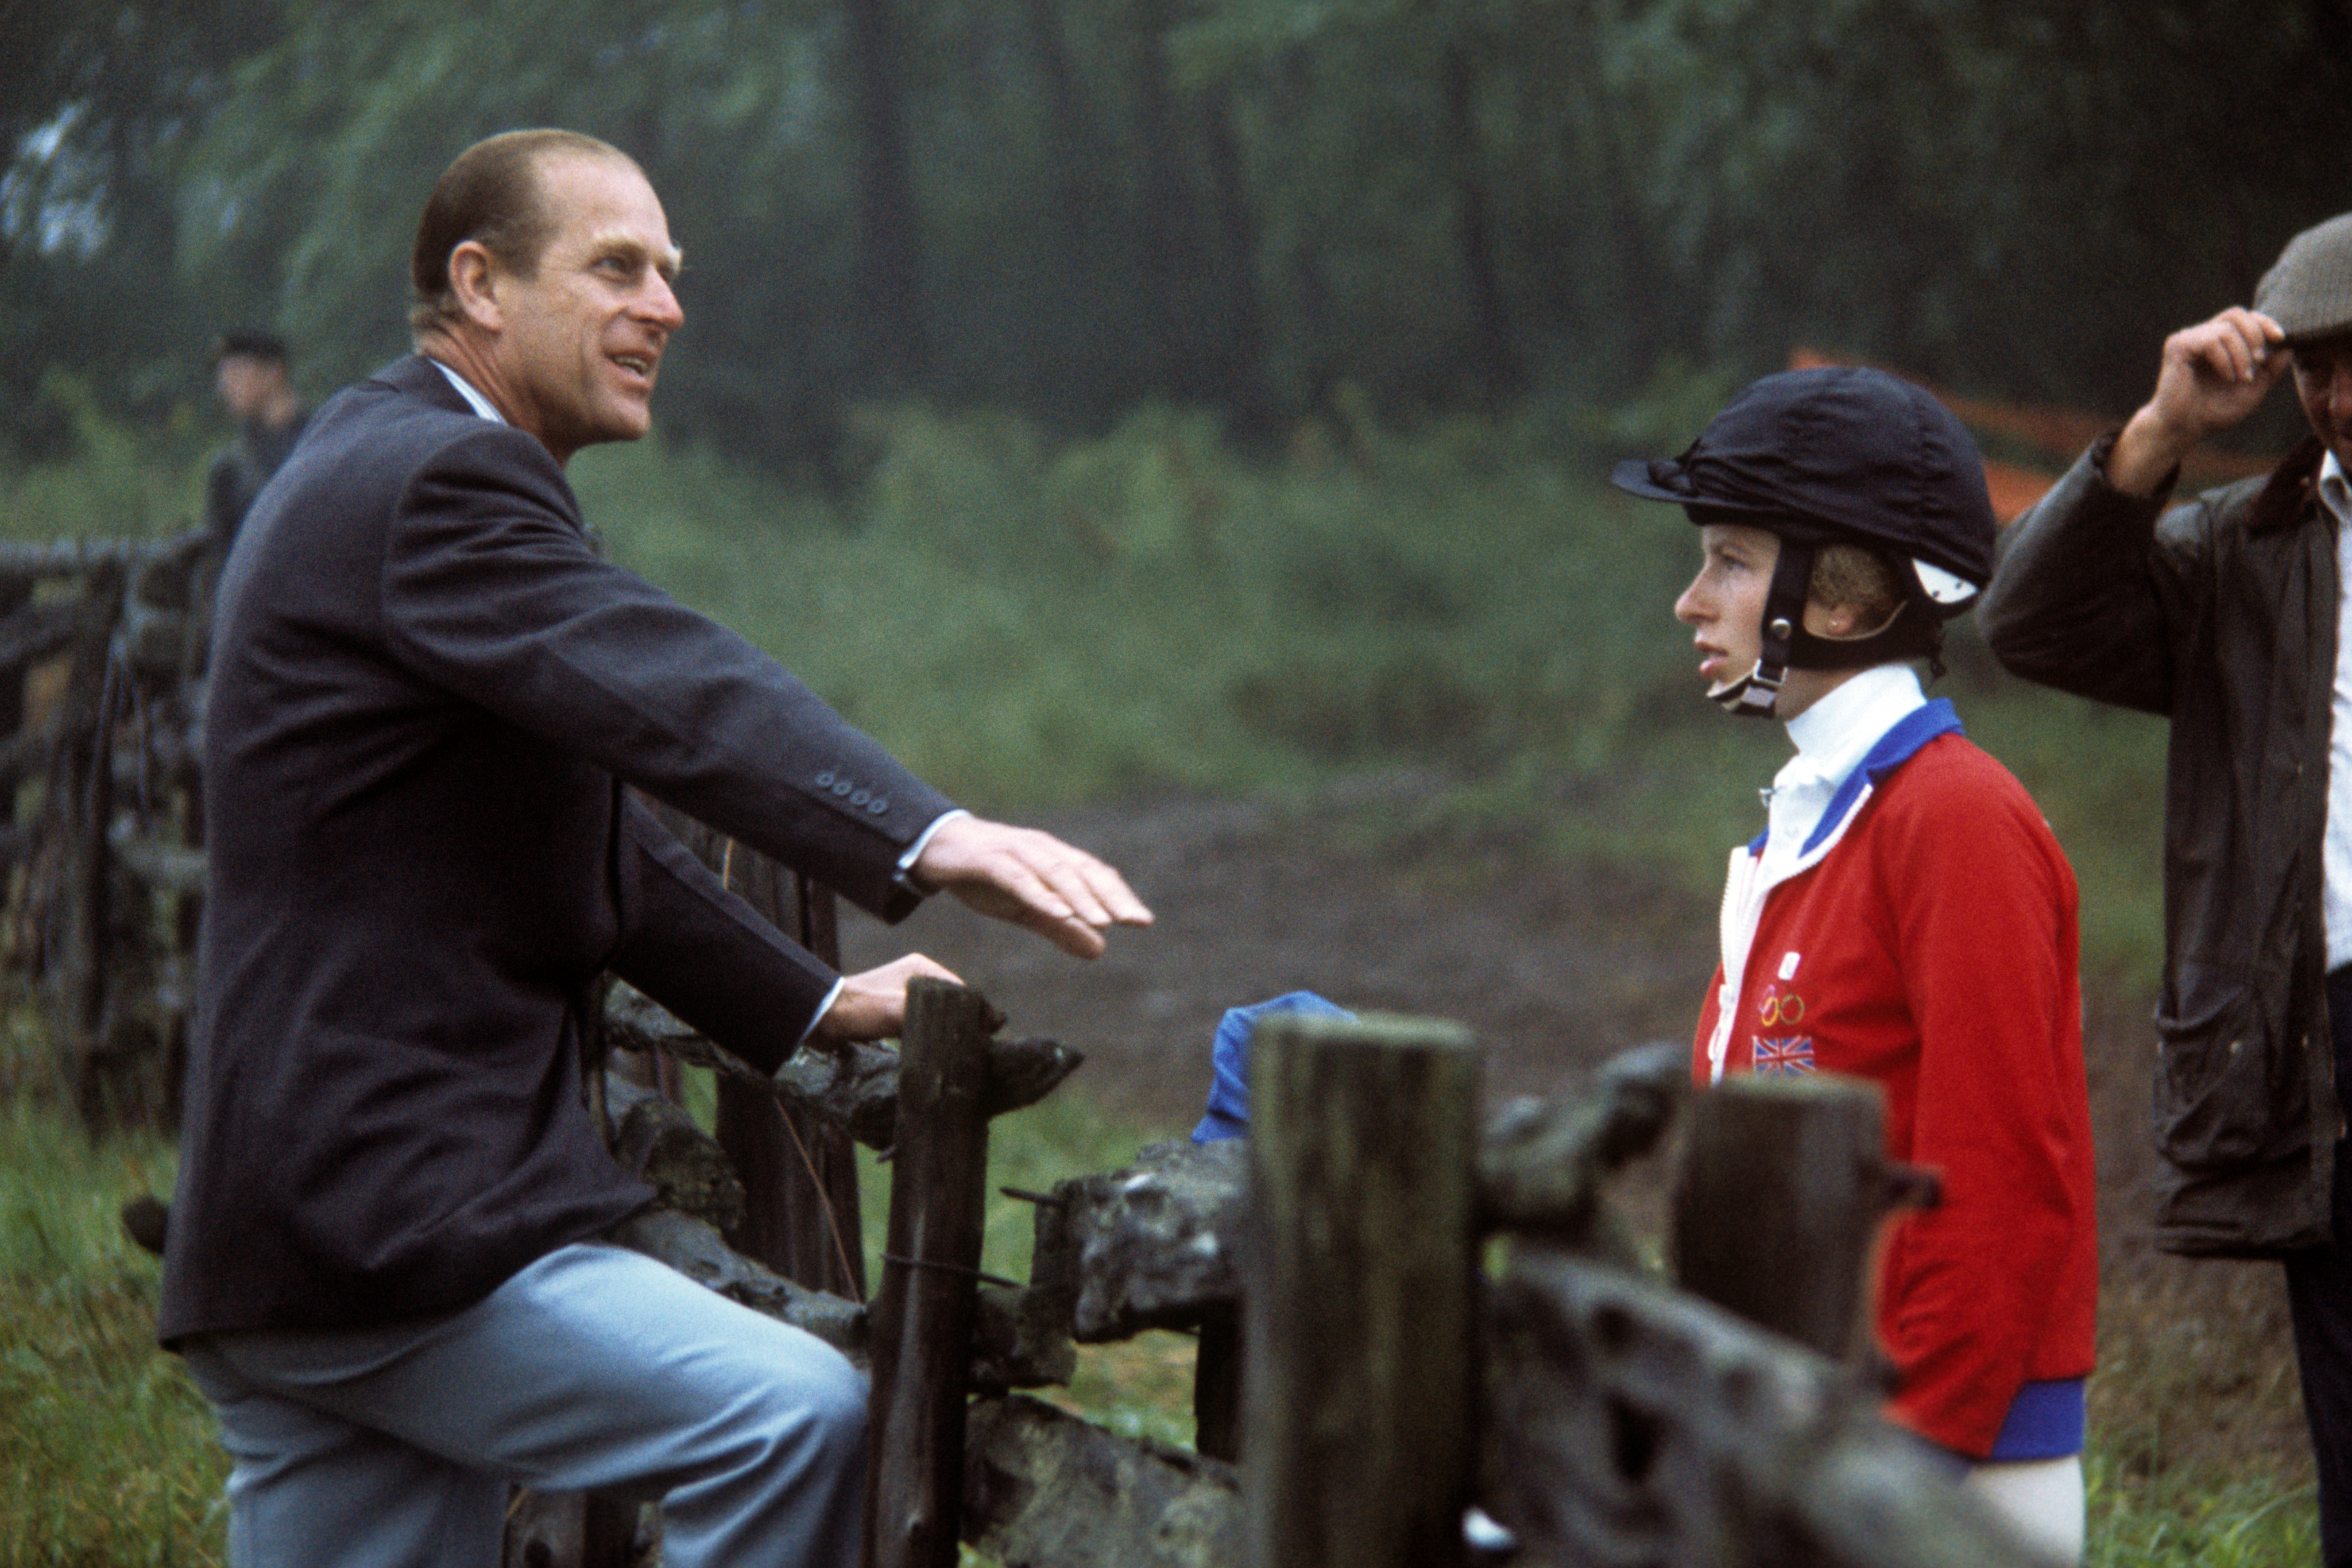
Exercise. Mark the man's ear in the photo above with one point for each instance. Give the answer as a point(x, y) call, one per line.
point(473, 279)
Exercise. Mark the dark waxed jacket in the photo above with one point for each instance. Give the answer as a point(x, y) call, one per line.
point(2218, 613)
point(426, 692)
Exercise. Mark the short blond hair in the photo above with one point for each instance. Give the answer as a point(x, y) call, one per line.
point(1855, 577)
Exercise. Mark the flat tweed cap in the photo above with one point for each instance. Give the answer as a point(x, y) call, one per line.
point(2308, 290)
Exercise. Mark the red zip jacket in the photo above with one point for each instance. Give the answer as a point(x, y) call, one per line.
point(1932, 950)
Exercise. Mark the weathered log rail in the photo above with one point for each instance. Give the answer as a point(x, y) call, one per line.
point(1603, 1416)
point(1360, 1379)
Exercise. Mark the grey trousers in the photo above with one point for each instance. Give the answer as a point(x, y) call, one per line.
point(593, 1367)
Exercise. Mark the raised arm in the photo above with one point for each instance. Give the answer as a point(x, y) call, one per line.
point(2212, 376)
point(2085, 596)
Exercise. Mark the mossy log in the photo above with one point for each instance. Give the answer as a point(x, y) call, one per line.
point(1043, 1488)
point(1626, 1422)
point(854, 1086)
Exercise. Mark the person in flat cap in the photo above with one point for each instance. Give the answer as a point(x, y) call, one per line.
point(1906, 916)
point(2224, 613)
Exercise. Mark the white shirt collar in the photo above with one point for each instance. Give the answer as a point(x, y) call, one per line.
point(479, 404)
point(1833, 736)
point(1835, 732)
point(2335, 490)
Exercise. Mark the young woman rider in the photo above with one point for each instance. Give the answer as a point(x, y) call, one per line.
point(1906, 916)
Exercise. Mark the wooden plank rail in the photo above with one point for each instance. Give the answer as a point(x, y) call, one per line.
point(1630, 1422)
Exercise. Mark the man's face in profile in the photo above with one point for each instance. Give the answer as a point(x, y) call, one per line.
point(2323, 381)
point(581, 339)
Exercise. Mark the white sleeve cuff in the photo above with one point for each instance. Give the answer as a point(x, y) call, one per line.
point(906, 874)
point(824, 1008)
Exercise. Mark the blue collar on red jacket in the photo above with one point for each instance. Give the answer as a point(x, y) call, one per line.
point(1895, 747)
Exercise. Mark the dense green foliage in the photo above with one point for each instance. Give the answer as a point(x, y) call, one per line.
point(1245, 205)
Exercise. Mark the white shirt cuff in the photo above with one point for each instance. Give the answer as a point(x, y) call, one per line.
point(822, 1008)
point(906, 874)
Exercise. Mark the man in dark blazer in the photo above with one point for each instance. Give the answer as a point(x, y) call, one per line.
point(385, 1265)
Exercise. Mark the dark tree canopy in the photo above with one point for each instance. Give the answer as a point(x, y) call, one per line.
point(1248, 205)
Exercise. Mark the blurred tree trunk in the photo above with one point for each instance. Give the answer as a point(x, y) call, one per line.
point(1198, 232)
point(1598, 265)
point(1167, 232)
point(1072, 140)
point(890, 244)
point(1245, 385)
point(1494, 367)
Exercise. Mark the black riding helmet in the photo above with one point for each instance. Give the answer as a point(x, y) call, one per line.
point(1839, 453)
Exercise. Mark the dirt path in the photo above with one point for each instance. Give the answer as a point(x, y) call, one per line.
point(1555, 971)
point(1552, 970)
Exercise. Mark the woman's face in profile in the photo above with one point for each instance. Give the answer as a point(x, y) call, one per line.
point(1724, 604)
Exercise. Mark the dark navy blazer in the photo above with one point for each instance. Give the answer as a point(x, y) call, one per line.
point(427, 692)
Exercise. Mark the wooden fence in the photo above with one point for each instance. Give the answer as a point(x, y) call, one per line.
point(102, 652)
point(1403, 1314)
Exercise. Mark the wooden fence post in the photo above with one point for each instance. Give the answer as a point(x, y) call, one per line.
point(79, 810)
point(1358, 1300)
point(1776, 1202)
point(922, 1314)
point(799, 1172)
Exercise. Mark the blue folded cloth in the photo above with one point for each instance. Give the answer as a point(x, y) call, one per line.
point(1228, 1114)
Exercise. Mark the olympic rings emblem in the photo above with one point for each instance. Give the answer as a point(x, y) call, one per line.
point(1776, 1010)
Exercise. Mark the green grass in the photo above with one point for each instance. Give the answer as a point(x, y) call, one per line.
point(1142, 612)
point(2209, 1521)
point(107, 1452)
point(122, 483)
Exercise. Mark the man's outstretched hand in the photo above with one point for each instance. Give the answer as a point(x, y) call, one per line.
point(1030, 878)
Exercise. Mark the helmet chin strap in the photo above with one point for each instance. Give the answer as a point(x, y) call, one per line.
point(1755, 694)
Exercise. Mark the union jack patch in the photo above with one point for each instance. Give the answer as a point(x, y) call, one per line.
point(1790, 1053)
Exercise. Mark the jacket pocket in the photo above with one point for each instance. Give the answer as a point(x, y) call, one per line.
point(2228, 1091)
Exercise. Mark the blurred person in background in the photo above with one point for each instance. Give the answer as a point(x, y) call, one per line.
point(254, 377)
